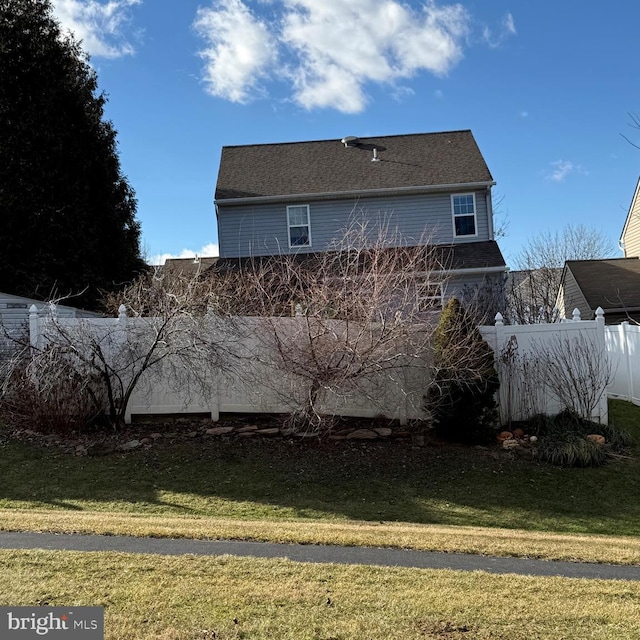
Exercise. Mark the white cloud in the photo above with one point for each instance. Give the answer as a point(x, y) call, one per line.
point(99, 25)
point(332, 48)
point(507, 29)
point(509, 25)
point(207, 251)
point(561, 169)
point(238, 53)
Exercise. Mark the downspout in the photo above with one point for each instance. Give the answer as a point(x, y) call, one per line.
point(489, 212)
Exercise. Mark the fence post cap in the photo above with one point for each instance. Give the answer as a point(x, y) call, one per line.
point(122, 311)
point(576, 314)
point(33, 310)
point(499, 319)
point(599, 312)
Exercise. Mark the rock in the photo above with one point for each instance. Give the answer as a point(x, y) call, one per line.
point(510, 443)
point(219, 431)
point(383, 431)
point(597, 438)
point(146, 441)
point(155, 436)
point(362, 434)
point(533, 439)
point(100, 449)
point(128, 446)
point(268, 432)
point(287, 431)
point(528, 453)
point(247, 429)
point(192, 434)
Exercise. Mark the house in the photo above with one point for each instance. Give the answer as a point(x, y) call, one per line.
point(187, 267)
point(630, 236)
point(14, 318)
point(612, 284)
point(303, 198)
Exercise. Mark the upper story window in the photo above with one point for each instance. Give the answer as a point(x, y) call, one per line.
point(299, 226)
point(464, 214)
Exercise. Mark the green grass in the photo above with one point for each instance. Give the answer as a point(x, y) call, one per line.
point(283, 480)
point(188, 598)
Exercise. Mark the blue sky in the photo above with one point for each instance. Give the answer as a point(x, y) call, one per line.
point(546, 87)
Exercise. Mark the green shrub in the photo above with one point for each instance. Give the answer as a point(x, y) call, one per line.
point(461, 398)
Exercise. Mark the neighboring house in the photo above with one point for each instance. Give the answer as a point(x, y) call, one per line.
point(307, 197)
point(531, 295)
point(14, 318)
point(612, 284)
point(630, 237)
point(187, 267)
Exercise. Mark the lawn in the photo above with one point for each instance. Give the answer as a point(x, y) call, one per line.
point(392, 494)
point(285, 480)
point(164, 598)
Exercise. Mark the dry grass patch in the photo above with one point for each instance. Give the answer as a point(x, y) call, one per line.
point(476, 540)
point(227, 598)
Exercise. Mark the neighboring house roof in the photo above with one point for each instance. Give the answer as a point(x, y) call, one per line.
point(187, 266)
point(483, 256)
point(423, 161)
point(612, 284)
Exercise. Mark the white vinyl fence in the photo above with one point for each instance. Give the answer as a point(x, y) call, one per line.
point(545, 368)
point(245, 377)
point(623, 346)
point(533, 362)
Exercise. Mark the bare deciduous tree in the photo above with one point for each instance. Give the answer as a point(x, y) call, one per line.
point(533, 288)
point(164, 327)
point(365, 317)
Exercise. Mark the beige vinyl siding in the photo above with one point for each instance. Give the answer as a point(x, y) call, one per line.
point(254, 230)
point(570, 297)
point(631, 235)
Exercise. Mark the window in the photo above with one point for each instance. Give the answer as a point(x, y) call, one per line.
point(464, 214)
point(299, 227)
point(429, 296)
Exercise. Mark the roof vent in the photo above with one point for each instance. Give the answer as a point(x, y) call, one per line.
point(350, 141)
point(375, 156)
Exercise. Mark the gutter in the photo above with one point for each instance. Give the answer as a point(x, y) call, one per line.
point(473, 270)
point(465, 186)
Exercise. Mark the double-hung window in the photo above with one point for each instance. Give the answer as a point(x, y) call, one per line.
point(299, 226)
point(464, 214)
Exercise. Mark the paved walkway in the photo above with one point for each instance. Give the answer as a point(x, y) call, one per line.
point(318, 553)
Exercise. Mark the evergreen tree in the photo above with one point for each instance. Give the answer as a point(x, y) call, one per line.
point(461, 398)
point(68, 214)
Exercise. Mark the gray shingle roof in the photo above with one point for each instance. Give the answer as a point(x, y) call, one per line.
point(328, 167)
point(470, 255)
point(610, 284)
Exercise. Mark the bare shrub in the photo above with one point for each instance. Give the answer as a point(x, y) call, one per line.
point(522, 389)
point(576, 371)
point(32, 398)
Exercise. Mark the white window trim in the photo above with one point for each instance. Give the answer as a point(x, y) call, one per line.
point(454, 216)
point(430, 299)
point(289, 225)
